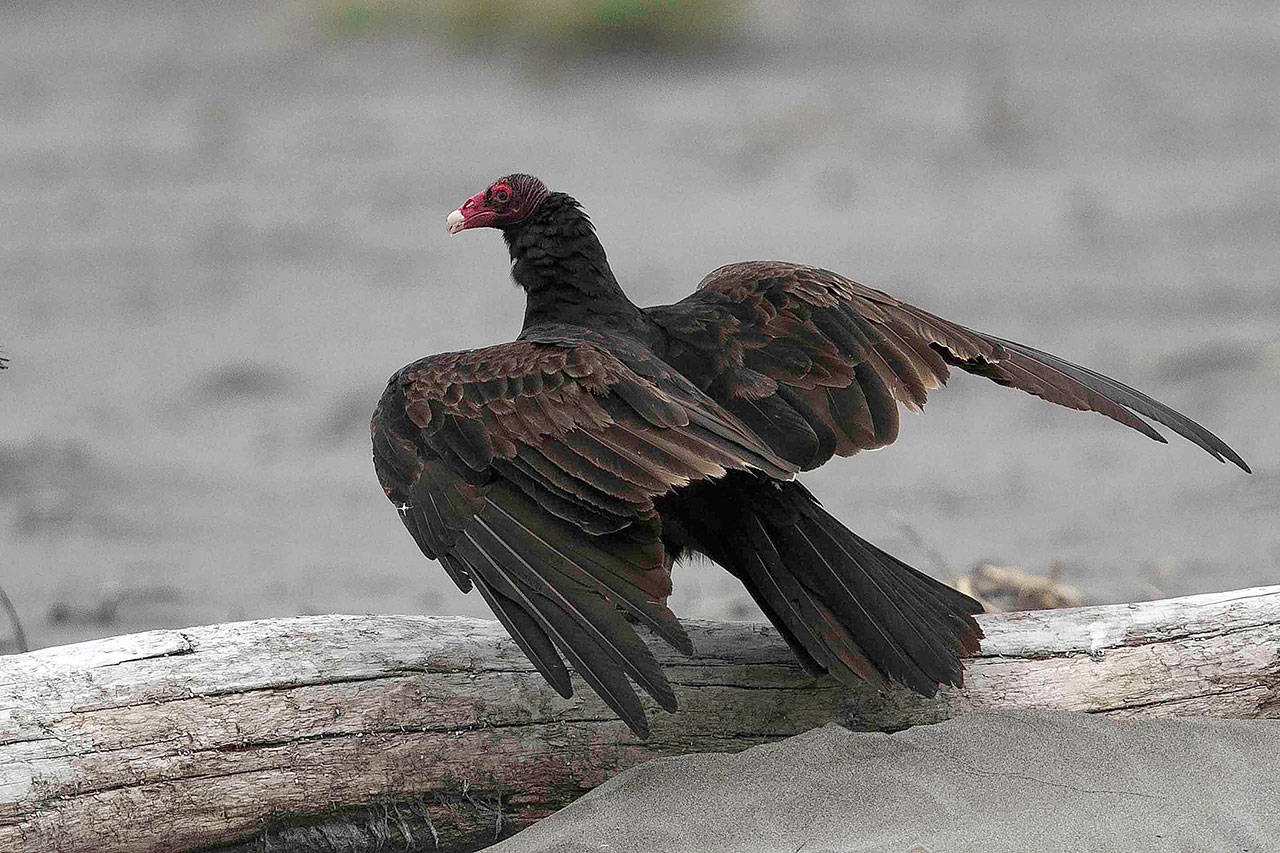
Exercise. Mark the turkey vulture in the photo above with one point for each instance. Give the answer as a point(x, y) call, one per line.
point(563, 474)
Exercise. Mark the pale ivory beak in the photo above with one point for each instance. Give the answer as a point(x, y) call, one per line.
point(454, 222)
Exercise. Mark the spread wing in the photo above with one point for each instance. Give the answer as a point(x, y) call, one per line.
point(816, 364)
point(530, 470)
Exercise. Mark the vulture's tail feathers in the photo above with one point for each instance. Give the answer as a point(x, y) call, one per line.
point(843, 605)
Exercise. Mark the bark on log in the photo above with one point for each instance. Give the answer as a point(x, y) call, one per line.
point(400, 732)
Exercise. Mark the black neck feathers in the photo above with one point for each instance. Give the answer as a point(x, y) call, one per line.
point(558, 260)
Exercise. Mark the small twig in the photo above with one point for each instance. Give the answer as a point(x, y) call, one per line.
point(404, 827)
point(420, 806)
point(19, 636)
point(497, 825)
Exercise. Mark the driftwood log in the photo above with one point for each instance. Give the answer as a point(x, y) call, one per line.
point(393, 733)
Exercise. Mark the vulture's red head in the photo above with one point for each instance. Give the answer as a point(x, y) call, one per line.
point(506, 202)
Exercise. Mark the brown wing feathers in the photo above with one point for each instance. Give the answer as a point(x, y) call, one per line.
point(521, 562)
point(503, 460)
point(842, 353)
point(1054, 379)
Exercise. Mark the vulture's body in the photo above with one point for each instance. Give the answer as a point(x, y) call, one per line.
point(564, 473)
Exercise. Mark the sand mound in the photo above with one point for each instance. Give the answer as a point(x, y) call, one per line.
point(1012, 781)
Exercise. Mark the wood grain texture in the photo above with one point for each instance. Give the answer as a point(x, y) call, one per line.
point(290, 734)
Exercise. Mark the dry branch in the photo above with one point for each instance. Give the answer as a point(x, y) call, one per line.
point(372, 732)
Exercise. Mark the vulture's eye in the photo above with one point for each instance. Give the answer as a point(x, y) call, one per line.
point(502, 195)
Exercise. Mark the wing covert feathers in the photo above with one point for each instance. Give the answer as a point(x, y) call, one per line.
point(530, 470)
point(765, 337)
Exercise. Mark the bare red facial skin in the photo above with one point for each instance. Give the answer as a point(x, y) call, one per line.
point(506, 202)
point(475, 213)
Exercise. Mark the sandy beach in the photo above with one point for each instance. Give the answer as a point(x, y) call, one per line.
point(221, 231)
point(1010, 781)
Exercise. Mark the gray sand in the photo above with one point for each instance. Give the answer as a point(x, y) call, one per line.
point(221, 231)
point(984, 782)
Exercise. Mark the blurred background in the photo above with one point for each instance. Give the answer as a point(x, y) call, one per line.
point(221, 230)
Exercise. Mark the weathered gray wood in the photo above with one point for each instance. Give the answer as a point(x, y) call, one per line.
point(357, 732)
